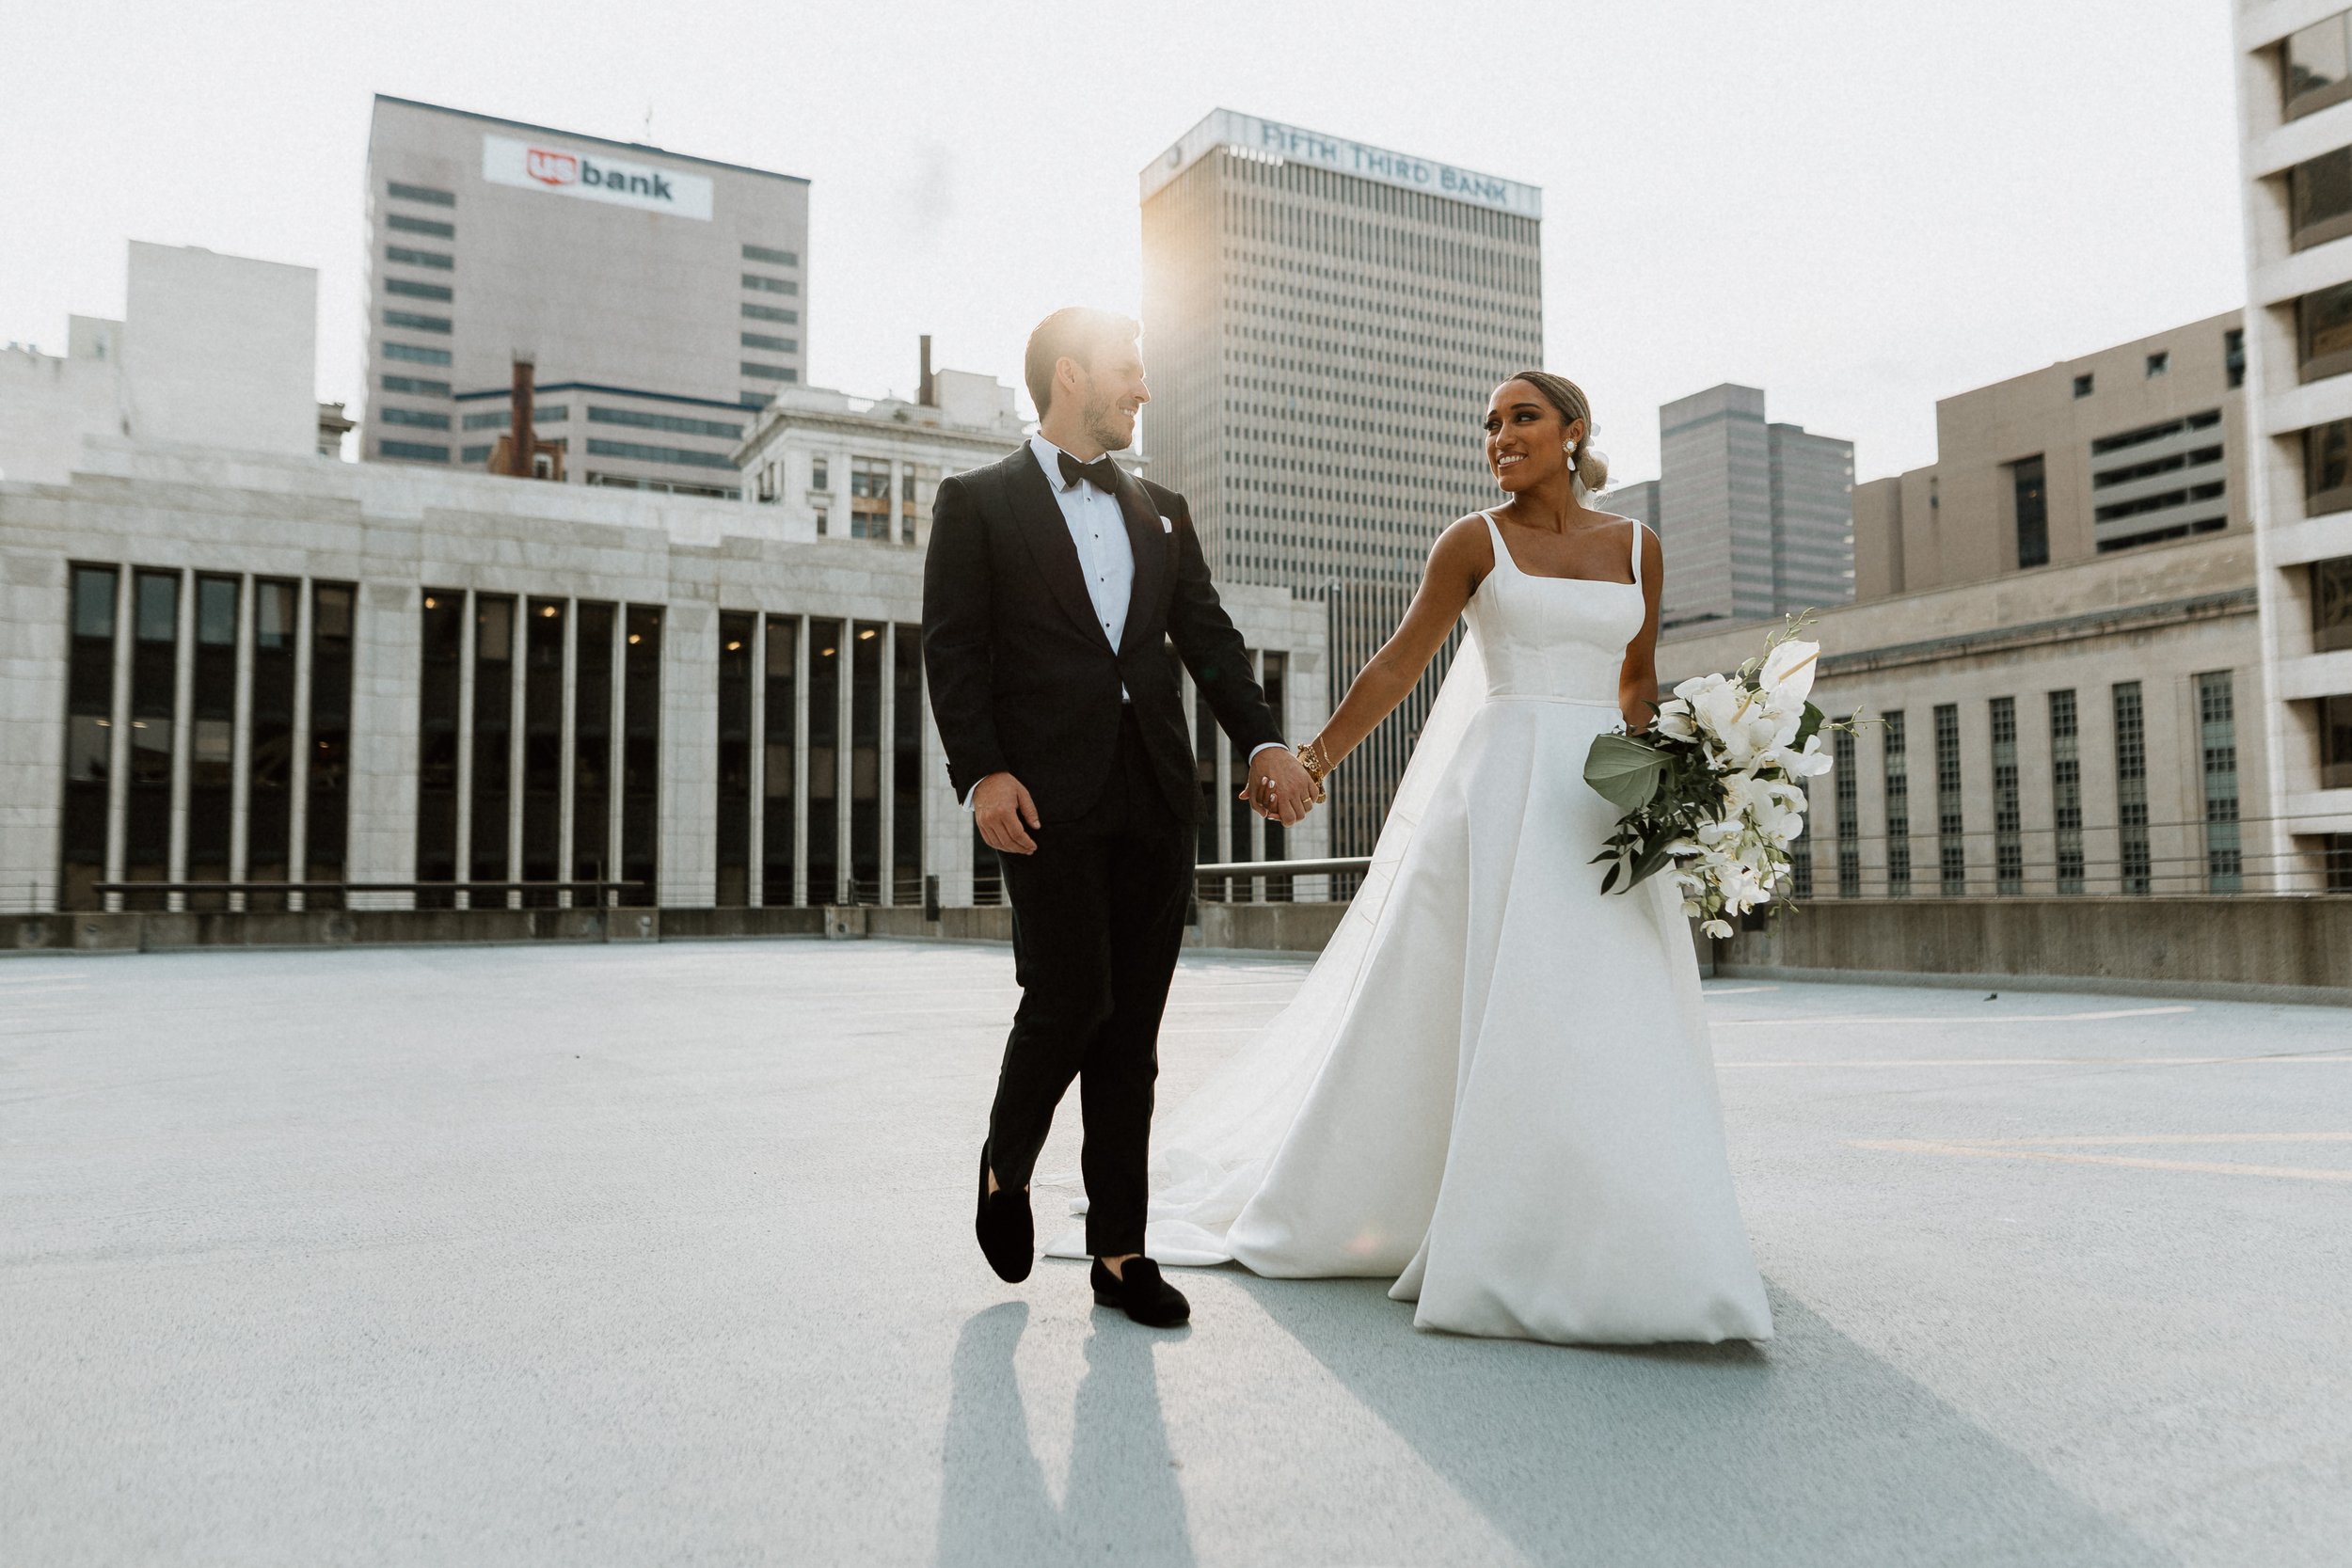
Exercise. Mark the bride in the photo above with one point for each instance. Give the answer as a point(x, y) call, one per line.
point(1495, 1087)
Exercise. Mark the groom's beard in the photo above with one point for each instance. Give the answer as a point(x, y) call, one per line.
point(1107, 428)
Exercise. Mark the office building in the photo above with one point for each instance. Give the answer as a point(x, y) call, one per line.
point(259, 664)
point(1755, 519)
point(1324, 321)
point(2295, 118)
point(661, 297)
point(2136, 445)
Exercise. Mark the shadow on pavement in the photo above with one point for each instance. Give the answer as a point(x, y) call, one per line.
point(1809, 1452)
point(1123, 1502)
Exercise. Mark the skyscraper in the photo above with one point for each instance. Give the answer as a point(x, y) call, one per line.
point(660, 297)
point(1755, 519)
point(1324, 321)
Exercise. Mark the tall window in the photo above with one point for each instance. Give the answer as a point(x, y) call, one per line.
point(211, 736)
point(2314, 64)
point(779, 787)
point(440, 688)
point(1845, 786)
point(2322, 322)
point(2131, 785)
point(2066, 791)
point(736, 631)
point(1204, 732)
point(2217, 739)
point(592, 746)
point(2335, 742)
point(155, 684)
point(865, 738)
point(640, 753)
point(269, 748)
point(89, 732)
point(2233, 355)
point(326, 818)
point(2328, 467)
point(870, 497)
point(2319, 198)
point(1274, 682)
point(2332, 604)
point(906, 766)
point(824, 761)
point(1898, 774)
point(2033, 511)
point(1950, 846)
point(493, 740)
point(2009, 843)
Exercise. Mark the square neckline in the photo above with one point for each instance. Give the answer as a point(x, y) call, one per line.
point(1502, 548)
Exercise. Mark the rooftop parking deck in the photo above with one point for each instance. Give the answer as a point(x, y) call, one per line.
point(662, 1254)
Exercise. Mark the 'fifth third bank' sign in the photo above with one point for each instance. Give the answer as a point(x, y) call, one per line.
point(567, 171)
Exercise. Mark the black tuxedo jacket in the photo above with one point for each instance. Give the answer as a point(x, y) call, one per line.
point(1021, 676)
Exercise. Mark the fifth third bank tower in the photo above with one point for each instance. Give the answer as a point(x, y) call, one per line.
point(1324, 321)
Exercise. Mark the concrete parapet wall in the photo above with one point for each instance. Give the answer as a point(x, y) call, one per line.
point(2285, 949)
point(1267, 928)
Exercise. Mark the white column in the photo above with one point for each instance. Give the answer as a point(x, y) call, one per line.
point(615, 747)
point(182, 706)
point(844, 809)
point(885, 750)
point(566, 763)
point(800, 760)
point(517, 676)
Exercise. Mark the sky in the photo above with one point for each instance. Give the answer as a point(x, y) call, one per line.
point(1858, 205)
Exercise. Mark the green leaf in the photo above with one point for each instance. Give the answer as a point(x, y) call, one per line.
point(1652, 862)
point(1611, 880)
point(1814, 718)
point(1624, 771)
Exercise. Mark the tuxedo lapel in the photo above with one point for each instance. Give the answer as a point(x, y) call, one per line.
point(1039, 516)
point(1145, 538)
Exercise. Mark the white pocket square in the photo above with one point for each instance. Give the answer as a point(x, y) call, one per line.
point(1167, 527)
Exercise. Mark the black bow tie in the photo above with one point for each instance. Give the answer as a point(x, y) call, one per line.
point(1101, 473)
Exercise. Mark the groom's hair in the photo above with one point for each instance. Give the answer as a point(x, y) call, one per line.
point(1079, 332)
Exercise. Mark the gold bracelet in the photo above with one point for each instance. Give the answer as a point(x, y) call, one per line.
point(1313, 758)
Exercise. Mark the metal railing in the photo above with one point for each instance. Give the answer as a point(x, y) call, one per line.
point(298, 896)
point(1330, 880)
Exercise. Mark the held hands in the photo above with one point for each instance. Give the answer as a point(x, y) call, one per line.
point(1280, 789)
point(1001, 807)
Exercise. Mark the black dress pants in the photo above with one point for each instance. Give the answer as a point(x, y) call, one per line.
point(1098, 914)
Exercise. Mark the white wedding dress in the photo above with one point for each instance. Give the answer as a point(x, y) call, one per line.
point(1496, 1085)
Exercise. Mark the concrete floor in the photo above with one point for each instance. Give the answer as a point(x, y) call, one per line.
point(663, 1254)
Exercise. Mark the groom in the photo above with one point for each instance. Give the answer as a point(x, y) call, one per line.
point(1055, 587)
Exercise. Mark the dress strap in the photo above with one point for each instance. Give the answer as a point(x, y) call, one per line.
point(1637, 555)
point(1502, 551)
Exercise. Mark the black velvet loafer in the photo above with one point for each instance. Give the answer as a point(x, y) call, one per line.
point(1008, 1234)
point(1138, 1291)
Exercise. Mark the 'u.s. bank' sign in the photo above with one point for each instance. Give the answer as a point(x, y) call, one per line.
point(1271, 139)
point(546, 166)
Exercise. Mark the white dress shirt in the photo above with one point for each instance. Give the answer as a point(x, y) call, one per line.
point(1099, 530)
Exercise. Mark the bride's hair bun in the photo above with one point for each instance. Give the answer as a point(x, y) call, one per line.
point(1592, 467)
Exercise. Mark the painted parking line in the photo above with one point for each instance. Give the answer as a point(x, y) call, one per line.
point(2057, 1156)
point(1957, 1018)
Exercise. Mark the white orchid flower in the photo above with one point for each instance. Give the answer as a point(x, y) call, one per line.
point(1716, 928)
point(1787, 672)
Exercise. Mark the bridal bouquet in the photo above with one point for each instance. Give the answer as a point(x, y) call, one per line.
point(1711, 792)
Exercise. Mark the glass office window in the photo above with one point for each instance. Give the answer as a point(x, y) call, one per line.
point(2328, 467)
point(2216, 738)
point(640, 753)
point(2131, 785)
point(1951, 844)
point(906, 766)
point(2332, 604)
point(2335, 742)
point(211, 736)
point(1845, 791)
point(1275, 680)
point(154, 680)
point(326, 817)
point(824, 761)
point(88, 736)
point(2033, 511)
point(2324, 332)
point(493, 741)
point(440, 675)
point(1204, 732)
point(2319, 198)
point(2066, 791)
point(865, 806)
point(543, 747)
point(1897, 780)
point(2313, 68)
point(1237, 811)
point(870, 497)
point(592, 746)
point(779, 786)
point(269, 752)
point(2009, 835)
point(737, 632)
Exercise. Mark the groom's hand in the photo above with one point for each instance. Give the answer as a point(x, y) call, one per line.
point(1000, 806)
point(1280, 786)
